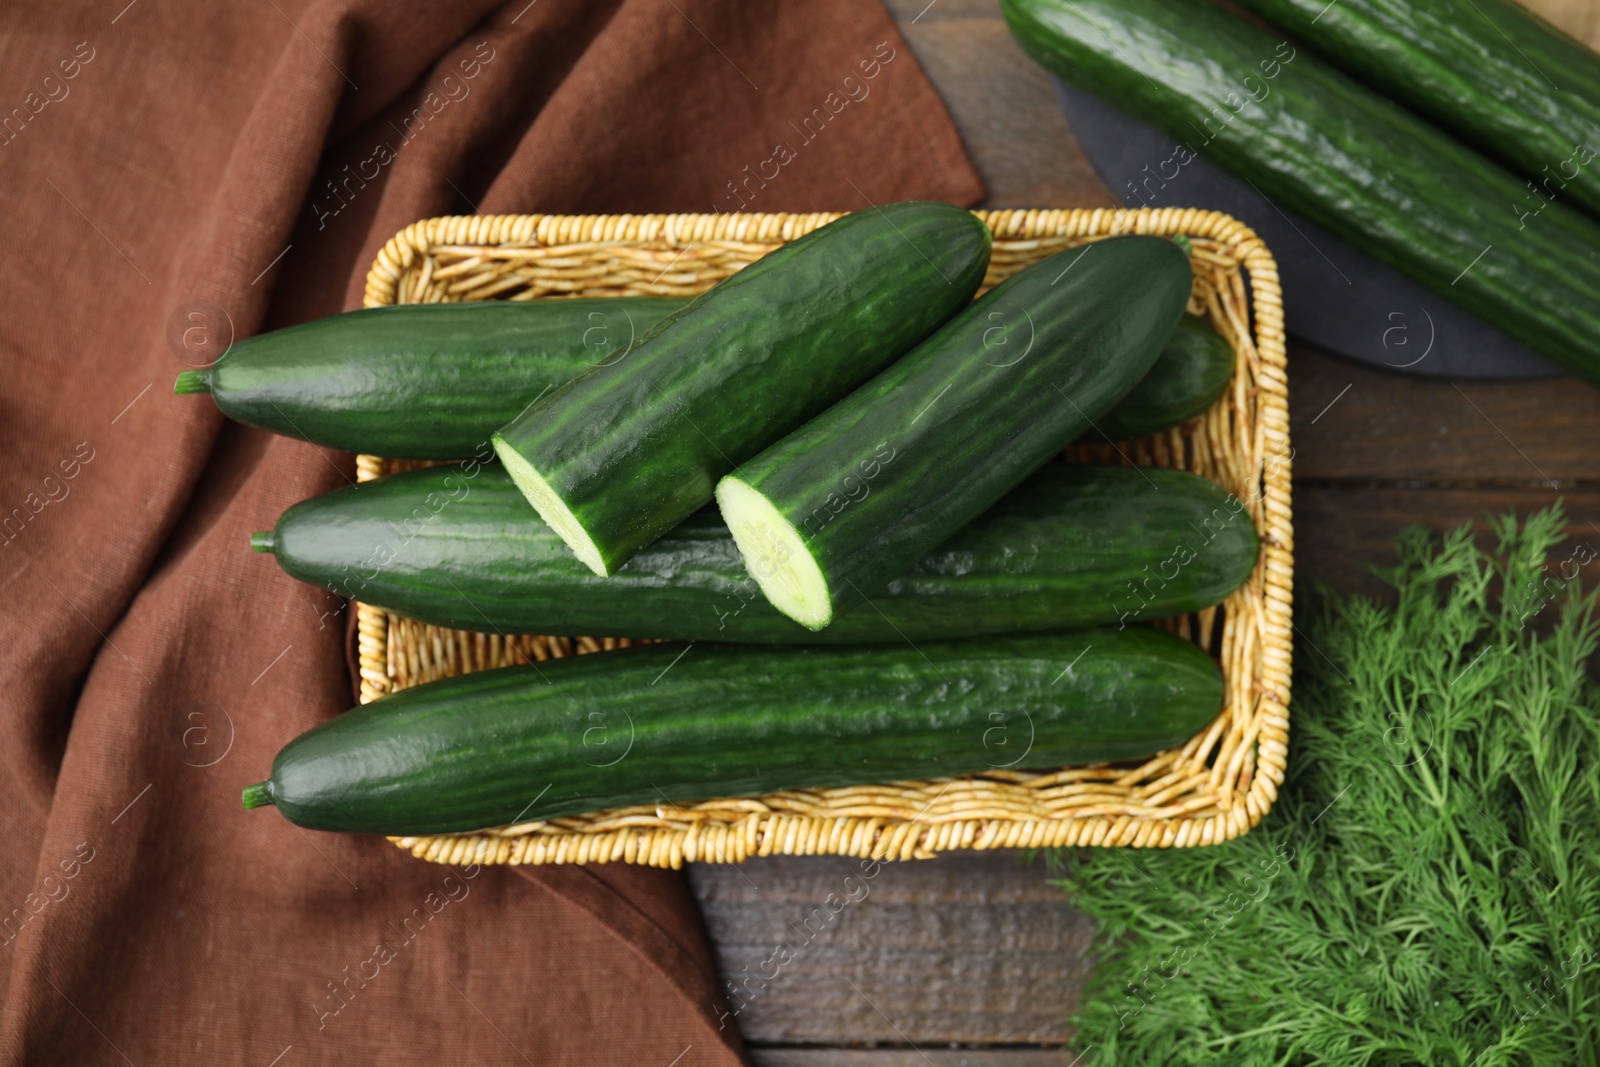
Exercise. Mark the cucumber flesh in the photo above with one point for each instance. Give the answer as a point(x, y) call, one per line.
point(552, 509)
point(776, 555)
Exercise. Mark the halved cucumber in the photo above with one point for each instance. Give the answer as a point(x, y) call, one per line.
point(620, 455)
point(838, 508)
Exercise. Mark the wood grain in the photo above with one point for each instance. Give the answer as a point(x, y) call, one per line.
point(1343, 530)
point(970, 947)
point(1355, 422)
point(1580, 18)
point(1003, 104)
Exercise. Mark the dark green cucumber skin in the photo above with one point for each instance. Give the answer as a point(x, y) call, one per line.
point(1193, 370)
point(973, 410)
point(660, 725)
point(1315, 141)
point(636, 447)
point(1479, 68)
point(433, 381)
point(422, 381)
point(1072, 546)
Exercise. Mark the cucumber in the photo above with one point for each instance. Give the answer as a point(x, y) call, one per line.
point(660, 725)
point(625, 452)
point(1491, 72)
point(860, 493)
point(419, 381)
point(1072, 546)
point(1193, 370)
point(433, 381)
point(1314, 141)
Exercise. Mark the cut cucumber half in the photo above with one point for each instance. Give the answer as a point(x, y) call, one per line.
point(551, 508)
point(841, 507)
point(775, 554)
point(633, 447)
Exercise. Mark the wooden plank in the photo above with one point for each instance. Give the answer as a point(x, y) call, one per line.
point(1351, 421)
point(1342, 529)
point(1376, 451)
point(1580, 18)
point(1003, 104)
point(973, 947)
point(918, 1057)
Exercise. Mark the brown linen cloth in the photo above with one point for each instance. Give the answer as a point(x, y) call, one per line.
point(174, 172)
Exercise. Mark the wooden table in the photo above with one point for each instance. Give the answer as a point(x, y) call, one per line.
point(974, 959)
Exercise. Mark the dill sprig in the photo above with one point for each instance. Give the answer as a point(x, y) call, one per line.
point(1426, 889)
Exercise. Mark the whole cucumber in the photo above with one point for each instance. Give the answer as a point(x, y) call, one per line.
point(1071, 546)
point(933, 441)
point(659, 725)
point(623, 453)
point(1316, 142)
point(419, 381)
point(1490, 71)
point(1193, 370)
point(434, 381)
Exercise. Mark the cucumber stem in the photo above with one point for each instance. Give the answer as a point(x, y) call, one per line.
point(1184, 243)
point(257, 795)
point(264, 541)
point(192, 381)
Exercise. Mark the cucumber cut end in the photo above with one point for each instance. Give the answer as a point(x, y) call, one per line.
point(775, 555)
point(551, 508)
point(192, 381)
point(257, 795)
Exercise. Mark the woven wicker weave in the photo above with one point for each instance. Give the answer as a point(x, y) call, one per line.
point(1215, 787)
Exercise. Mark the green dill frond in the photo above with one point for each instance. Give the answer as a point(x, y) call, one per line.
point(1426, 889)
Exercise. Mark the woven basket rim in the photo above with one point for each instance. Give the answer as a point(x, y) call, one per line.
point(1167, 801)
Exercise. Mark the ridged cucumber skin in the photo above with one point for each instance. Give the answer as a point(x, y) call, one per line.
point(633, 448)
point(663, 725)
point(1316, 142)
point(434, 381)
point(1193, 370)
point(969, 414)
point(1072, 546)
point(1491, 72)
point(422, 381)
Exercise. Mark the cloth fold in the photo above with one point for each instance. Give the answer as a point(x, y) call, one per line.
point(179, 175)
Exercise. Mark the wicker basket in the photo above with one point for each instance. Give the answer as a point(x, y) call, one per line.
point(1215, 787)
